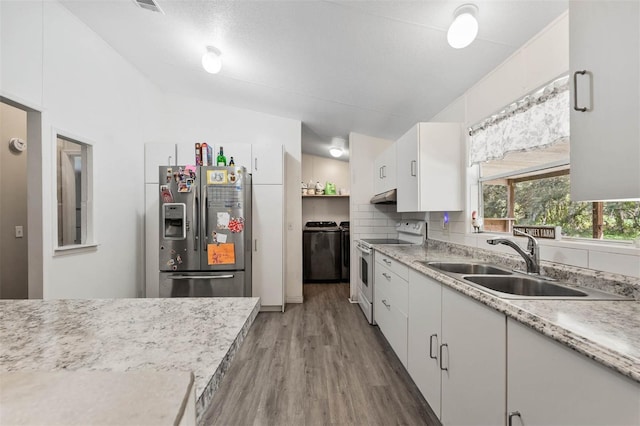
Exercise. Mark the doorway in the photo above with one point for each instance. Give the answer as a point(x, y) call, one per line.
point(21, 257)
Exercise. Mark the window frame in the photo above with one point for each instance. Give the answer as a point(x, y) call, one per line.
point(597, 206)
point(87, 199)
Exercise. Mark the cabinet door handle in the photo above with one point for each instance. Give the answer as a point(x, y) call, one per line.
point(255, 164)
point(384, 172)
point(413, 167)
point(384, 302)
point(512, 415)
point(386, 261)
point(387, 276)
point(431, 355)
point(442, 346)
point(575, 90)
point(380, 172)
point(255, 245)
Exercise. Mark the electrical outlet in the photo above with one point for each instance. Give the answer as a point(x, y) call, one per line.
point(19, 232)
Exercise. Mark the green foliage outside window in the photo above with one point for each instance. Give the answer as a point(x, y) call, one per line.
point(547, 202)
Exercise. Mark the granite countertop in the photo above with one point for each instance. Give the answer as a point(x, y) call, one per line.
point(606, 331)
point(200, 335)
point(89, 397)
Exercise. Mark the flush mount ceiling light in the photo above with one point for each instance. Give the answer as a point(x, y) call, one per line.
point(211, 60)
point(337, 147)
point(464, 28)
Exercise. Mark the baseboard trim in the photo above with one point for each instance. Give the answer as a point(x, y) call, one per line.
point(295, 299)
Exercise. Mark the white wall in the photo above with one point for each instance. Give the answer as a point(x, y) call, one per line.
point(542, 59)
point(53, 63)
point(322, 169)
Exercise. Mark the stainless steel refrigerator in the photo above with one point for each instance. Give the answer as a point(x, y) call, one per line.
point(205, 231)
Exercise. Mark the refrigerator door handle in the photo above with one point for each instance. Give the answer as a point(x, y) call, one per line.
point(200, 277)
point(195, 221)
point(204, 220)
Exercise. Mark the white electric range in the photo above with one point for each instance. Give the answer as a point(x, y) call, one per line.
point(409, 232)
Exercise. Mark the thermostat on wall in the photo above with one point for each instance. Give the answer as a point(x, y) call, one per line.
point(17, 144)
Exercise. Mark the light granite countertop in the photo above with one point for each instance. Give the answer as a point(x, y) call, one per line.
point(200, 335)
point(606, 331)
point(97, 398)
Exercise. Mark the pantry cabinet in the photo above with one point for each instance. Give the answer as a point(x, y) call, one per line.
point(384, 171)
point(549, 384)
point(430, 168)
point(604, 46)
point(267, 275)
point(458, 344)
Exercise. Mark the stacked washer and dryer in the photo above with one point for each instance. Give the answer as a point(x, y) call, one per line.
point(325, 256)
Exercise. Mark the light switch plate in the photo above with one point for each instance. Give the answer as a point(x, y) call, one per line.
point(19, 232)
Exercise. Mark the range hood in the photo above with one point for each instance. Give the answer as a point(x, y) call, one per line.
point(388, 197)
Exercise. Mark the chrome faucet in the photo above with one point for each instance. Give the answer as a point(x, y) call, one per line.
point(532, 258)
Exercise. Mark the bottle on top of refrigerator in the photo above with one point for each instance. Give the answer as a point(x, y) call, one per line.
point(221, 160)
point(231, 162)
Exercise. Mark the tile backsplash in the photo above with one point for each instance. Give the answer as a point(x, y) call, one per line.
point(374, 221)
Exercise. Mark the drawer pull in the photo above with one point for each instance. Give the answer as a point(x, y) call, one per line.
point(384, 302)
point(431, 355)
point(387, 276)
point(387, 261)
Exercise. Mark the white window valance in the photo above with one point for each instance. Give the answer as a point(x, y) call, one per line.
point(538, 120)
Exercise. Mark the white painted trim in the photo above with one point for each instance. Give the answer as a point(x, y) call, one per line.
point(78, 248)
point(294, 299)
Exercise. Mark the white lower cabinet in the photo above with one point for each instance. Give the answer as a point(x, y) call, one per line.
point(549, 384)
point(425, 333)
point(391, 302)
point(459, 343)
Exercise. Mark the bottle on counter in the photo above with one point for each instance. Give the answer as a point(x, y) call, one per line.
point(221, 160)
point(231, 162)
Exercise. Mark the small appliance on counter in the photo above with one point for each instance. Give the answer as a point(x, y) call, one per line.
point(409, 232)
point(205, 231)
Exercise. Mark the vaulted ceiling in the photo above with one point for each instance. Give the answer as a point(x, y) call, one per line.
point(372, 67)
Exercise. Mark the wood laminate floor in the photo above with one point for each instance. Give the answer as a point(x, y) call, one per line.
point(319, 363)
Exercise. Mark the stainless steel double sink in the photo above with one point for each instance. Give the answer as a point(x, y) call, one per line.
point(513, 285)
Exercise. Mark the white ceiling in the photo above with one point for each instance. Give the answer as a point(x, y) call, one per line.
point(372, 67)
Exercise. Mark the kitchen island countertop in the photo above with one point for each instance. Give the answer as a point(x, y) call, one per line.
point(200, 335)
point(606, 331)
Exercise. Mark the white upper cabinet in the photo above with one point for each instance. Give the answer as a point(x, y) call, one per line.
point(429, 168)
point(156, 155)
point(267, 164)
point(384, 171)
point(604, 43)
